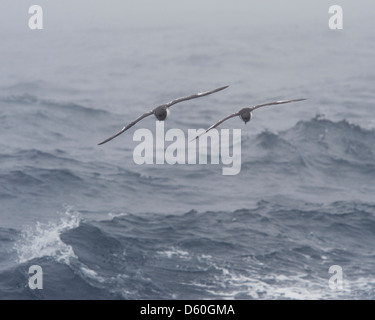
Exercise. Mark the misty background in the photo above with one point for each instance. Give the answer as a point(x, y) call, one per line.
point(113, 47)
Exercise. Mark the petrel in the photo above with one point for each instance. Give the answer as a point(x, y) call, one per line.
point(246, 114)
point(161, 112)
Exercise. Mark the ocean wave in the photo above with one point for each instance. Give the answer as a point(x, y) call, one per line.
point(31, 178)
point(38, 156)
point(299, 240)
point(24, 99)
point(328, 147)
point(43, 239)
point(74, 108)
point(19, 178)
point(269, 251)
point(66, 106)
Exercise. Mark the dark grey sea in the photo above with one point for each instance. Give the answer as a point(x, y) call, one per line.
point(297, 221)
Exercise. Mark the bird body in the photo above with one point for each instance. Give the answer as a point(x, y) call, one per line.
point(161, 113)
point(245, 114)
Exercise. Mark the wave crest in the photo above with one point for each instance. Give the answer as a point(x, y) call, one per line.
point(43, 240)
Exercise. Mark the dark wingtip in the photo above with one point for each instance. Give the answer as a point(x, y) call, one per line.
point(219, 89)
point(105, 141)
point(296, 100)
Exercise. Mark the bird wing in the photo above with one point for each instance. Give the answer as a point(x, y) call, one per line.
point(201, 94)
point(275, 102)
point(128, 126)
point(218, 123)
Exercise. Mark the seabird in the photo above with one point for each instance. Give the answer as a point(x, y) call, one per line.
point(246, 114)
point(161, 112)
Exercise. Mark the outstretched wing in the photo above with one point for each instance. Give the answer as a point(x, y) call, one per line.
point(217, 123)
point(128, 126)
point(275, 102)
point(194, 96)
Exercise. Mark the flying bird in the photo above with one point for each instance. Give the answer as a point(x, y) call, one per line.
point(246, 114)
point(161, 112)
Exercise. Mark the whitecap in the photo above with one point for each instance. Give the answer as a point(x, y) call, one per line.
point(43, 240)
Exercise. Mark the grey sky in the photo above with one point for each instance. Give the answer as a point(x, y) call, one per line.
point(77, 14)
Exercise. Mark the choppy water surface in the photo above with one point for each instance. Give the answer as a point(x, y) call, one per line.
point(102, 227)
